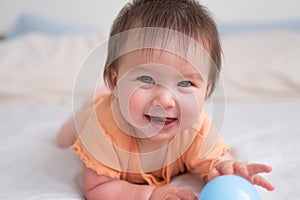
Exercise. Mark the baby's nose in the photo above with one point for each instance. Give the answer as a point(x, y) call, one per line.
point(164, 98)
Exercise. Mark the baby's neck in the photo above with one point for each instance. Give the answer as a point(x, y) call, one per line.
point(146, 145)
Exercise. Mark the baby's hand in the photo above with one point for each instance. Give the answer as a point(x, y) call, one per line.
point(171, 193)
point(249, 172)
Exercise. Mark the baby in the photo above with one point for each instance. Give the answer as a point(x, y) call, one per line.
point(163, 62)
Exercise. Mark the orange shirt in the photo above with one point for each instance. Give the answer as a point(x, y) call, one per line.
point(104, 147)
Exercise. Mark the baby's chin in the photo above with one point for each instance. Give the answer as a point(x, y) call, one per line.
point(163, 136)
point(152, 133)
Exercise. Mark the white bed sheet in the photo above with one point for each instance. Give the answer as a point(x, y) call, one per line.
point(33, 167)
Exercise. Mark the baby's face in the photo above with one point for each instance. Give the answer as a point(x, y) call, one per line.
point(160, 94)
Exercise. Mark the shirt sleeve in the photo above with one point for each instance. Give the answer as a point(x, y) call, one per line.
point(87, 142)
point(92, 163)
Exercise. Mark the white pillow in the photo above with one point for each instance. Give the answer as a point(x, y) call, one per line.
point(43, 68)
point(261, 65)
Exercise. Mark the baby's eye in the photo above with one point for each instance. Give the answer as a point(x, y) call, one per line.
point(146, 79)
point(185, 84)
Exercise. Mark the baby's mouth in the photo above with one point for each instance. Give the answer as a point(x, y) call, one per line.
point(161, 120)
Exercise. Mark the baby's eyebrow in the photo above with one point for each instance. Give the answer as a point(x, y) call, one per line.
point(193, 76)
point(146, 68)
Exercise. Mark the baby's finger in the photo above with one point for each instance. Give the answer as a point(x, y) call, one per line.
point(241, 169)
point(213, 174)
point(225, 167)
point(260, 181)
point(258, 168)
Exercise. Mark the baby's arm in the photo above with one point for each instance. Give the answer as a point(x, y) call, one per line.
point(228, 165)
point(97, 187)
point(67, 134)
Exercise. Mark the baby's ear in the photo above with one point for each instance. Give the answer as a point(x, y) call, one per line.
point(111, 77)
point(114, 78)
point(113, 82)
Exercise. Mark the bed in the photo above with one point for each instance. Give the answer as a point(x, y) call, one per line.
point(37, 73)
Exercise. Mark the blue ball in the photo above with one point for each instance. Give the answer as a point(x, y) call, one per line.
point(229, 187)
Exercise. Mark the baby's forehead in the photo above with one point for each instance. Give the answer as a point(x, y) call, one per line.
point(154, 56)
point(160, 55)
point(159, 38)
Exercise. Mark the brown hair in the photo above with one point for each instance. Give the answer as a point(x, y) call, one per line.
point(185, 16)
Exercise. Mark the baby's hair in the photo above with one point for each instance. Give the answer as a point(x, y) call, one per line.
point(185, 16)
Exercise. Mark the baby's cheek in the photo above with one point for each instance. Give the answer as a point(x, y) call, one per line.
point(136, 107)
point(190, 112)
